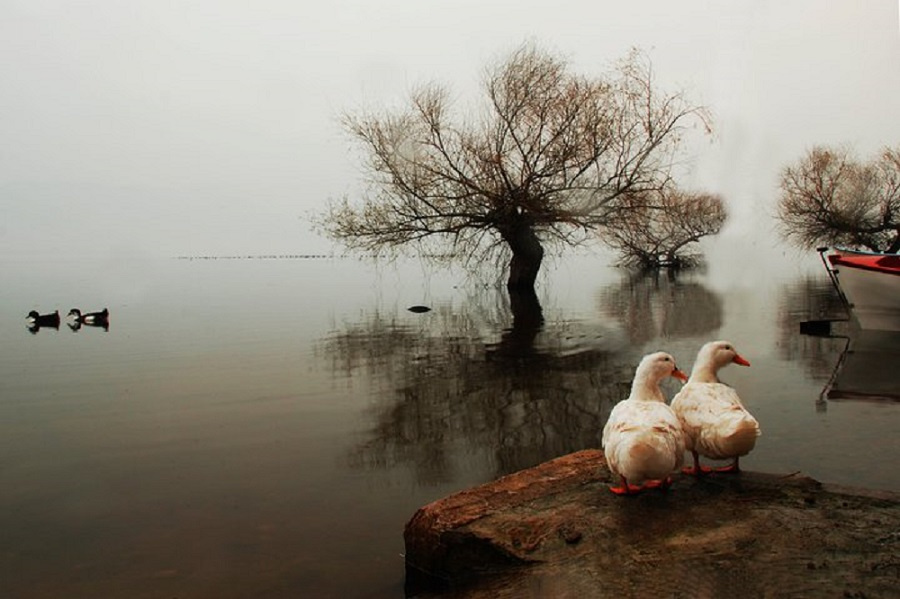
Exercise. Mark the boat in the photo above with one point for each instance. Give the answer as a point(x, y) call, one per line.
point(869, 285)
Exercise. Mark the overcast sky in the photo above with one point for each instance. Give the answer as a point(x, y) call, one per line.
point(210, 126)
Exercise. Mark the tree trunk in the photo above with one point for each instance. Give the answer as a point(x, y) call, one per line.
point(527, 254)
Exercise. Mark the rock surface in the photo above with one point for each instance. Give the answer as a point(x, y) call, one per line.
point(556, 531)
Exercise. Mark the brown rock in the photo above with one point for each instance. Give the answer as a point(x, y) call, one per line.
point(555, 530)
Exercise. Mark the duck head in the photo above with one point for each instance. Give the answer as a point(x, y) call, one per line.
point(713, 356)
point(657, 366)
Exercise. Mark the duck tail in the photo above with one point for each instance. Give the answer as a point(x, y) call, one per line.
point(742, 438)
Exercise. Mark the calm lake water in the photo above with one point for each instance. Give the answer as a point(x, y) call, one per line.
point(265, 428)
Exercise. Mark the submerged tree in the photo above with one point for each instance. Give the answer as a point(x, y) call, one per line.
point(830, 198)
point(549, 159)
point(662, 228)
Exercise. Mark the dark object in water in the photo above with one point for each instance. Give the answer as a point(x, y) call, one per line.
point(45, 320)
point(42, 320)
point(816, 328)
point(91, 319)
point(419, 309)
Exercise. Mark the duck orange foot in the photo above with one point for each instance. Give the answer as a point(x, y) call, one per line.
point(658, 484)
point(626, 489)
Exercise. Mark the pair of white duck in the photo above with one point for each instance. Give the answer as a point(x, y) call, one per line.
point(645, 439)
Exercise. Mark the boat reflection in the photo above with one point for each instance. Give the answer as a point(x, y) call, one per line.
point(855, 363)
point(866, 369)
point(816, 349)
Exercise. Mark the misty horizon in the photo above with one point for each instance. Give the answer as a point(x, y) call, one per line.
point(213, 129)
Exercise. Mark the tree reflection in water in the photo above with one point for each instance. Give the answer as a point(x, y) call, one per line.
point(666, 305)
point(496, 380)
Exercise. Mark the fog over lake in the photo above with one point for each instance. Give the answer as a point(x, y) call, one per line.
point(263, 414)
point(212, 127)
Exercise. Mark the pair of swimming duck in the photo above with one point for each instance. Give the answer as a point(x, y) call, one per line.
point(645, 439)
point(52, 319)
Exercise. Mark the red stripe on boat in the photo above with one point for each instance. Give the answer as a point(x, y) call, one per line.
point(889, 265)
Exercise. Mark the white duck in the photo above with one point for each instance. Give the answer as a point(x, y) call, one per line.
point(716, 424)
point(643, 439)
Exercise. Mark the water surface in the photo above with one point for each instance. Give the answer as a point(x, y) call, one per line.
point(265, 428)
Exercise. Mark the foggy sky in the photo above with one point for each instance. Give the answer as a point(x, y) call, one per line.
point(211, 127)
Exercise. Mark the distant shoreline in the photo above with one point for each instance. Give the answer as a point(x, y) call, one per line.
point(261, 257)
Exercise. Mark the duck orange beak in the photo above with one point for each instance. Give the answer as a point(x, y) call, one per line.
point(681, 376)
point(739, 359)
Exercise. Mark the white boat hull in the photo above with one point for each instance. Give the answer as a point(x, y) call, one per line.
point(874, 297)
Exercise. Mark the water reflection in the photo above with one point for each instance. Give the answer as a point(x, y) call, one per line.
point(76, 326)
point(448, 381)
point(34, 328)
point(528, 319)
point(662, 304)
point(495, 381)
point(855, 363)
point(865, 369)
point(810, 299)
point(91, 319)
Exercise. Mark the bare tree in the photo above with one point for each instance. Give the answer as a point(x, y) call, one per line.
point(546, 160)
point(830, 198)
point(662, 228)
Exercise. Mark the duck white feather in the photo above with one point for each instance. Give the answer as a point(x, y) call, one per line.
point(716, 423)
point(643, 439)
